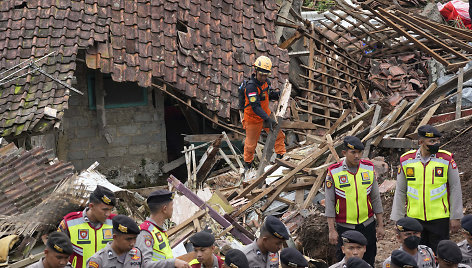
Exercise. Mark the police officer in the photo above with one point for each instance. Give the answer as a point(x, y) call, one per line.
point(355, 262)
point(449, 255)
point(466, 245)
point(256, 110)
point(235, 258)
point(121, 252)
point(354, 245)
point(90, 230)
point(203, 245)
point(352, 198)
point(57, 252)
point(262, 253)
point(409, 234)
point(428, 181)
point(292, 258)
point(153, 240)
point(401, 259)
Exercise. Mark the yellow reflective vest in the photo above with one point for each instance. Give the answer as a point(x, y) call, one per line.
point(86, 240)
point(352, 192)
point(427, 188)
point(161, 249)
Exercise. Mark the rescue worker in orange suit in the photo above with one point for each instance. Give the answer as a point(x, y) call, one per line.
point(352, 198)
point(256, 110)
point(429, 189)
point(91, 229)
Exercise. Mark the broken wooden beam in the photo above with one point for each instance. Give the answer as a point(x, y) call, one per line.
point(208, 160)
point(213, 214)
point(398, 143)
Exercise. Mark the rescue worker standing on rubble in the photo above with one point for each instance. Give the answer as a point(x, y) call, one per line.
point(152, 239)
point(428, 188)
point(256, 111)
point(263, 252)
point(90, 230)
point(352, 199)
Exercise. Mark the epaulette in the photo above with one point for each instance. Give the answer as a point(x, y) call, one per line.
point(367, 162)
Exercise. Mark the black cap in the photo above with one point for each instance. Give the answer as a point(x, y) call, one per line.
point(402, 259)
point(105, 195)
point(276, 227)
point(355, 262)
point(202, 239)
point(235, 258)
point(353, 236)
point(449, 251)
point(351, 142)
point(124, 225)
point(409, 224)
point(466, 223)
point(428, 131)
point(160, 196)
point(60, 242)
point(293, 258)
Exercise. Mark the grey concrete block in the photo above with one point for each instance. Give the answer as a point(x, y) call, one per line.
point(154, 147)
point(138, 149)
point(145, 139)
point(127, 130)
point(121, 140)
point(78, 144)
point(117, 151)
point(86, 132)
point(143, 117)
point(151, 127)
point(77, 155)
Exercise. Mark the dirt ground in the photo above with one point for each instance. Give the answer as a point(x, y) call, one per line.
point(314, 231)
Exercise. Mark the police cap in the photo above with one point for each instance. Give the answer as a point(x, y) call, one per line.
point(202, 239)
point(449, 252)
point(160, 196)
point(351, 142)
point(466, 223)
point(105, 195)
point(59, 242)
point(275, 227)
point(124, 225)
point(355, 262)
point(402, 259)
point(293, 258)
point(353, 236)
point(235, 258)
point(428, 131)
point(409, 224)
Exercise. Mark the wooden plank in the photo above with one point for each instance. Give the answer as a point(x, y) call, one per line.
point(316, 186)
point(225, 157)
point(429, 114)
point(228, 142)
point(173, 164)
point(286, 201)
point(325, 94)
point(329, 141)
point(358, 118)
point(318, 104)
point(354, 130)
point(374, 122)
point(288, 164)
point(398, 143)
point(416, 104)
point(339, 121)
point(208, 160)
point(306, 162)
point(386, 120)
point(298, 125)
point(391, 119)
point(459, 93)
point(182, 225)
point(311, 63)
point(257, 181)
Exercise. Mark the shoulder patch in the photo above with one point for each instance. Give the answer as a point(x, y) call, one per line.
point(73, 215)
point(93, 264)
point(329, 181)
point(366, 162)
point(148, 240)
point(335, 165)
point(453, 164)
point(145, 225)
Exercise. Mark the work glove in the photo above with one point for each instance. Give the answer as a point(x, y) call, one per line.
point(270, 124)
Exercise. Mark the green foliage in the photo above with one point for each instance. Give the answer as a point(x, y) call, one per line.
point(319, 5)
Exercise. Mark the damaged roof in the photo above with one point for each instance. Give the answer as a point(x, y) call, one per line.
point(203, 48)
point(27, 177)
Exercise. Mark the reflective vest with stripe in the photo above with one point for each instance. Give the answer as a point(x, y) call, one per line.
point(427, 188)
point(86, 240)
point(161, 249)
point(352, 192)
point(249, 114)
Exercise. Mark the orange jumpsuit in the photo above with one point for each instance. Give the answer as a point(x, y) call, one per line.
point(253, 123)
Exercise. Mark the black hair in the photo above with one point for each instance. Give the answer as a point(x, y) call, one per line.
point(156, 207)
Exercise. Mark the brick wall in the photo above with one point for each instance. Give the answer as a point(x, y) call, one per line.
point(138, 144)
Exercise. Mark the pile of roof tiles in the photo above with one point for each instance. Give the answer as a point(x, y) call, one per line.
point(397, 78)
